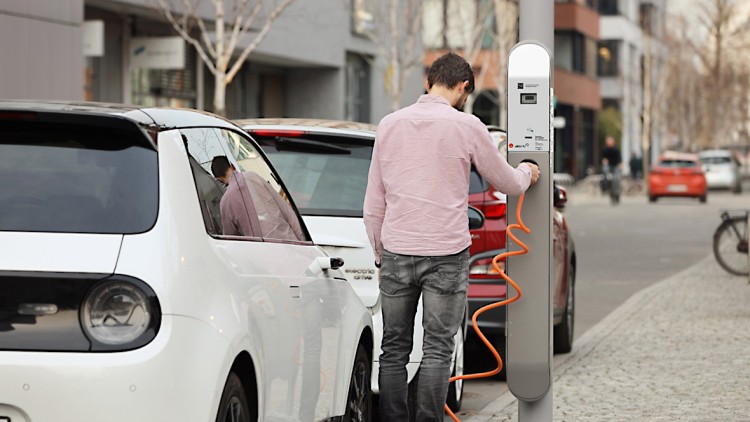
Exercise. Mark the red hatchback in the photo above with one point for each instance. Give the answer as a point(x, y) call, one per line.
point(677, 174)
point(486, 286)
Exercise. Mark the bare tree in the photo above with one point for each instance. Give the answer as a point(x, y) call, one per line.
point(231, 27)
point(395, 27)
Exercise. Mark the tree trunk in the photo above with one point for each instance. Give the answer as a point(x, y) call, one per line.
point(220, 89)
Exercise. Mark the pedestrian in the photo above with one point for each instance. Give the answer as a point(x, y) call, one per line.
point(415, 211)
point(611, 165)
point(636, 166)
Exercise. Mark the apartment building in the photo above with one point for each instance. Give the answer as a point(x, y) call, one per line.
point(315, 62)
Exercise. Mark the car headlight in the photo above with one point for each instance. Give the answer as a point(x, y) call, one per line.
point(120, 314)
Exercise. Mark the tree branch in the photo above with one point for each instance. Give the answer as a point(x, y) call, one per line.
point(186, 36)
point(258, 38)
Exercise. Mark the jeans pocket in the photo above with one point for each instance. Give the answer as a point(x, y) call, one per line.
point(448, 274)
point(389, 280)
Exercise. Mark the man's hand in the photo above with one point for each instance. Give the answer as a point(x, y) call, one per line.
point(534, 172)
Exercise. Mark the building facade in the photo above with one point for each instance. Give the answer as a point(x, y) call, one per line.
point(631, 46)
point(313, 63)
point(577, 94)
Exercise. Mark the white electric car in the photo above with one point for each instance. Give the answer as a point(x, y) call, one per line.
point(325, 165)
point(125, 296)
point(722, 169)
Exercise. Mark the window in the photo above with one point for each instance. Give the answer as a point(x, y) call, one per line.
point(70, 178)
point(363, 16)
point(608, 52)
point(326, 175)
point(609, 7)
point(570, 51)
point(253, 204)
point(647, 18)
point(357, 88)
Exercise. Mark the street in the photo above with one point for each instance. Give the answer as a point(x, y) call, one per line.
point(622, 250)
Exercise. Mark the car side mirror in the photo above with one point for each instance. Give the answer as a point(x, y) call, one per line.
point(560, 197)
point(476, 218)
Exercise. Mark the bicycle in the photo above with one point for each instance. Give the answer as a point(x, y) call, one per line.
point(730, 242)
point(611, 184)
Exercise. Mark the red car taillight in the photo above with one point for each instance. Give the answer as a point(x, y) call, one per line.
point(495, 209)
point(483, 269)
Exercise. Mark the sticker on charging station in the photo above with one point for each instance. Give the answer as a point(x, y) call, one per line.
point(537, 143)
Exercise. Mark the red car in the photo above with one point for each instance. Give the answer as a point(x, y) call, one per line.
point(486, 286)
point(677, 174)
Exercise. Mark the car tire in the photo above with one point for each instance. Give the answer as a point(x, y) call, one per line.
point(652, 198)
point(737, 189)
point(359, 398)
point(563, 332)
point(456, 388)
point(233, 406)
point(704, 199)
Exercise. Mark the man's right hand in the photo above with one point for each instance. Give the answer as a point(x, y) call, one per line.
point(534, 172)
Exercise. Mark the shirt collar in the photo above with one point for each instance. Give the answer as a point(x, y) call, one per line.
point(427, 98)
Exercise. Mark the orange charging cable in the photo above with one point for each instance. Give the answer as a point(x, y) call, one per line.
point(524, 250)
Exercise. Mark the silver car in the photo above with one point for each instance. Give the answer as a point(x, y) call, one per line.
point(722, 169)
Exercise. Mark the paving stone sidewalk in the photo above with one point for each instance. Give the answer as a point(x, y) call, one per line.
point(676, 351)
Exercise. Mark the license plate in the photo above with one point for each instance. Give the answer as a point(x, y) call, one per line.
point(677, 188)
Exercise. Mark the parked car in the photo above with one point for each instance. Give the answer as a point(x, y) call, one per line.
point(485, 284)
point(325, 163)
point(677, 174)
point(124, 298)
point(722, 169)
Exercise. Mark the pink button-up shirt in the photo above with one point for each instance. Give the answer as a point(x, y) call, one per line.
point(418, 187)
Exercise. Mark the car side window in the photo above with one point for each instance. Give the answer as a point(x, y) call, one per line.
point(271, 202)
point(221, 199)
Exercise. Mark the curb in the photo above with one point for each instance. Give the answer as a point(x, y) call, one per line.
point(584, 345)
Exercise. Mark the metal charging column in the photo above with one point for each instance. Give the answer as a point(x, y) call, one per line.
point(530, 137)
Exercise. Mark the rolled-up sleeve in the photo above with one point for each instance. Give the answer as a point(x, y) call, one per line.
point(491, 164)
point(374, 206)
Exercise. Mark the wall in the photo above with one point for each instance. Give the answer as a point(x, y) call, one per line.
point(41, 45)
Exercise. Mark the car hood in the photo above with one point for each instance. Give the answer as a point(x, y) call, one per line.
point(59, 252)
point(346, 237)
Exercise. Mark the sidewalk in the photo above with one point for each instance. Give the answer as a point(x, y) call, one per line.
point(676, 351)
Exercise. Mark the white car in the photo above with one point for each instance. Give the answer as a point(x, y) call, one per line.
point(722, 169)
point(123, 298)
point(325, 164)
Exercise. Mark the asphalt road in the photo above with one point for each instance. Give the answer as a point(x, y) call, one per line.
point(623, 249)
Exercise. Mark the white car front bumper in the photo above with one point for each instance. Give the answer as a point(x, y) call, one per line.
point(177, 377)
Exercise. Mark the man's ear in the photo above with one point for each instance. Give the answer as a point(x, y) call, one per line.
point(465, 85)
point(426, 86)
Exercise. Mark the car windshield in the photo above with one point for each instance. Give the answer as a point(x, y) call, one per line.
point(76, 179)
point(716, 160)
point(674, 163)
point(326, 175)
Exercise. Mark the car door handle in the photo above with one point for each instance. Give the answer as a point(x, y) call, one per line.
point(327, 263)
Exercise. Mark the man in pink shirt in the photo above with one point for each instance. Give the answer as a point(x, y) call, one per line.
point(251, 207)
point(415, 212)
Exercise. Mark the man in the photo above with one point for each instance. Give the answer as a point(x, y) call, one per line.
point(611, 163)
point(251, 207)
point(415, 212)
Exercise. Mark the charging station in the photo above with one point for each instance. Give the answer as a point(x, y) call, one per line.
point(529, 320)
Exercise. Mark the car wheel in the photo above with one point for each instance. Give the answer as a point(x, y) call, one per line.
point(456, 388)
point(563, 332)
point(233, 405)
point(703, 199)
point(359, 399)
point(652, 198)
point(737, 189)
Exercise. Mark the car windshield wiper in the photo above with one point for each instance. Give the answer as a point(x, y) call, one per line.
point(291, 144)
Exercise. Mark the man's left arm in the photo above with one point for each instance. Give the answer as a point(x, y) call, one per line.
point(374, 206)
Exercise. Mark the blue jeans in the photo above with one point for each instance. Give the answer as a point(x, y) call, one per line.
point(442, 281)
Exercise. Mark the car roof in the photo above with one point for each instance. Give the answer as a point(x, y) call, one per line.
point(715, 153)
point(318, 126)
point(676, 155)
point(163, 118)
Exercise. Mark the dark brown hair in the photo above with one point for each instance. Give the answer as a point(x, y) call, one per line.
point(450, 70)
point(220, 165)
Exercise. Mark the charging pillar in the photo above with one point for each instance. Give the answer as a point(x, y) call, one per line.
point(529, 320)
